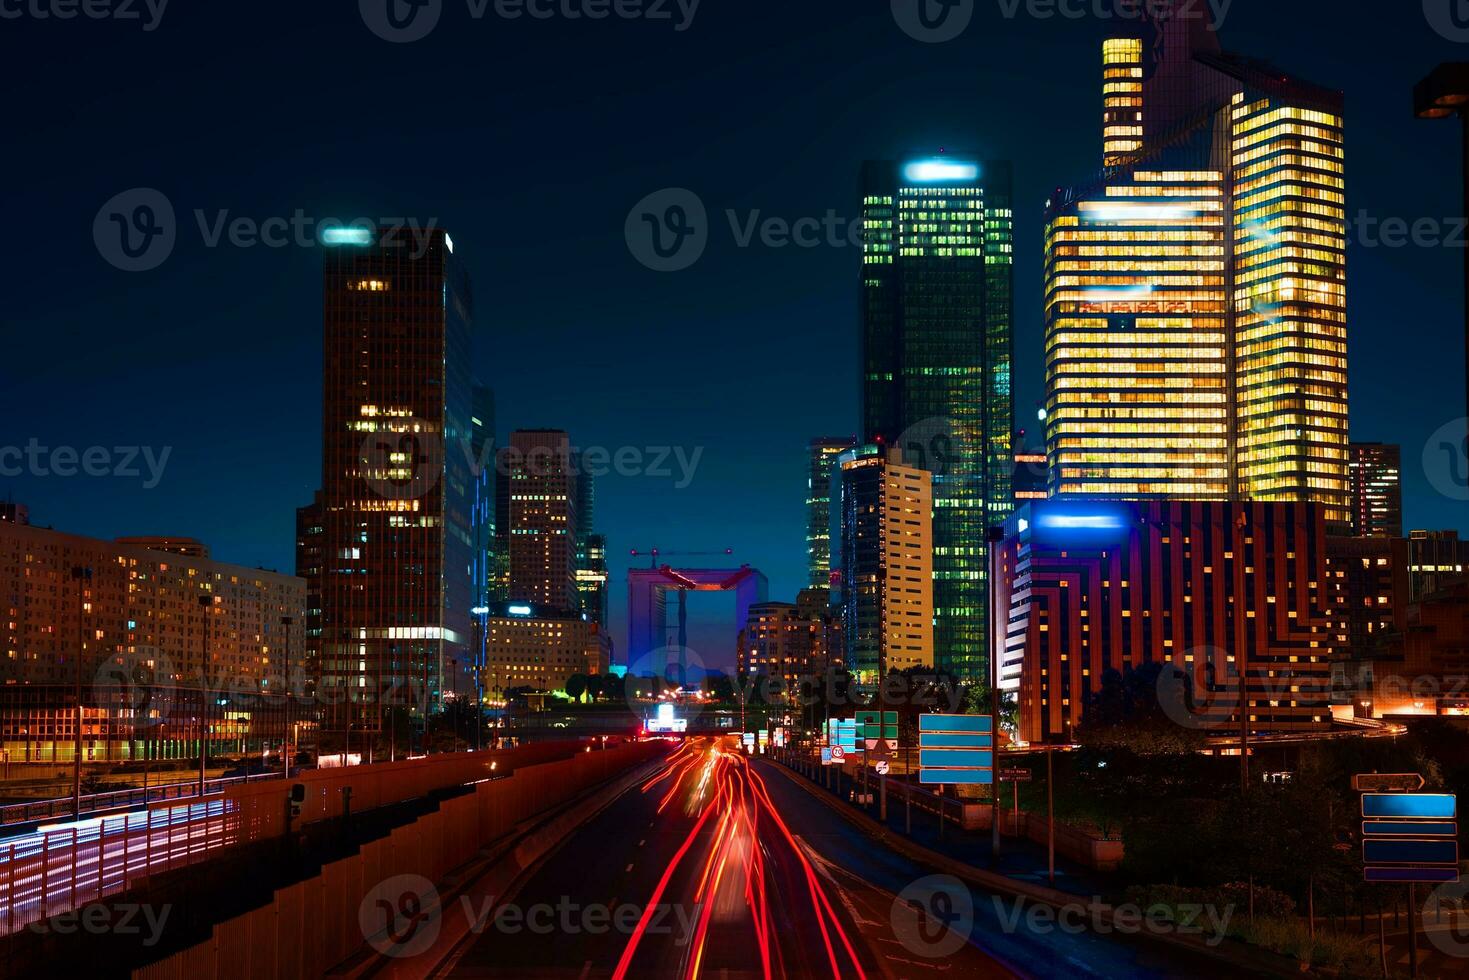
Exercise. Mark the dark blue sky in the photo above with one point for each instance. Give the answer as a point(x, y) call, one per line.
point(530, 141)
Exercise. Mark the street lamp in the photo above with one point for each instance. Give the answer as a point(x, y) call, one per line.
point(1445, 93)
point(83, 578)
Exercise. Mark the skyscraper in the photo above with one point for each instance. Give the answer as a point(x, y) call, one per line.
point(396, 505)
point(822, 458)
point(1377, 490)
point(1195, 289)
point(937, 304)
point(542, 518)
point(887, 558)
point(591, 578)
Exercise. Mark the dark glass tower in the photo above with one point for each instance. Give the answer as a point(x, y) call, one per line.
point(937, 308)
point(397, 508)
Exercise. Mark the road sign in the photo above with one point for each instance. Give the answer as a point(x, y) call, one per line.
point(1415, 852)
point(825, 756)
point(1015, 775)
point(1409, 875)
point(838, 755)
point(1411, 806)
point(843, 732)
point(955, 749)
point(875, 724)
point(1384, 782)
point(1408, 837)
point(1408, 828)
point(881, 767)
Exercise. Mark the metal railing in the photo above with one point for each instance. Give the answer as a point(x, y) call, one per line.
point(121, 799)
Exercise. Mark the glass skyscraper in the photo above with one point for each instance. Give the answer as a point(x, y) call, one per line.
point(822, 458)
point(937, 349)
point(397, 514)
point(1196, 287)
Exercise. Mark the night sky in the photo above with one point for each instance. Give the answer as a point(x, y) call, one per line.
point(530, 141)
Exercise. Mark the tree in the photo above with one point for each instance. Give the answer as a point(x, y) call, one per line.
point(576, 686)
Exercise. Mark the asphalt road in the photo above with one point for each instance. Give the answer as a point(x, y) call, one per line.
point(726, 868)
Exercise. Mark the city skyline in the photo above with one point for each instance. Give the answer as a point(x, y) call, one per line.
point(276, 446)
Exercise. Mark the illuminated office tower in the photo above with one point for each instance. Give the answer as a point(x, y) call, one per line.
point(823, 456)
point(1195, 289)
point(591, 577)
point(542, 521)
point(395, 514)
point(937, 309)
point(1377, 490)
point(887, 560)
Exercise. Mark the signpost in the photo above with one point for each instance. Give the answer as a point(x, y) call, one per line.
point(881, 767)
point(1380, 782)
point(1408, 837)
point(956, 750)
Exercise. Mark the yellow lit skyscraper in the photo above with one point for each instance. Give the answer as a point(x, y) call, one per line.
point(1195, 289)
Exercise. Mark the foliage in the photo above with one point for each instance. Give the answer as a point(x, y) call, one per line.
point(1125, 713)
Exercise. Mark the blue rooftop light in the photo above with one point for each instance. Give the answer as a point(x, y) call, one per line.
point(1090, 522)
point(350, 235)
point(939, 171)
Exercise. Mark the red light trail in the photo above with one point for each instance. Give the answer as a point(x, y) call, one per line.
point(735, 885)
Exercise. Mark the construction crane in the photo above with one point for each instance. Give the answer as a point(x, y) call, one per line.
point(653, 554)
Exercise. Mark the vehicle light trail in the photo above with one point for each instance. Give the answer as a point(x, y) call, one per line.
point(738, 883)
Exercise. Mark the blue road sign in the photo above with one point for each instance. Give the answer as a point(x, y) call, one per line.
point(955, 723)
point(1408, 828)
point(1408, 875)
point(1410, 837)
point(1396, 850)
point(942, 740)
point(956, 750)
point(1413, 806)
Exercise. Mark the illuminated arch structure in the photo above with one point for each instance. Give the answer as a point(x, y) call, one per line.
point(648, 588)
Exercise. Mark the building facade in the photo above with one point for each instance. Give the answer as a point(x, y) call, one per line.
point(157, 640)
point(539, 647)
point(887, 556)
point(937, 351)
point(1425, 667)
point(822, 457)
point(1195, 291)
point(398, 486)
point(1377, 490)
point(1436, 560)
point(542, 523)
point(1214, 589)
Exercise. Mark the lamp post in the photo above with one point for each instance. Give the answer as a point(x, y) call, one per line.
point(286, 623)
point(206, 603)
point(83, 577)
point(1445, 93)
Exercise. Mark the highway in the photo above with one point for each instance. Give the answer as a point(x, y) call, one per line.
point(722, 867)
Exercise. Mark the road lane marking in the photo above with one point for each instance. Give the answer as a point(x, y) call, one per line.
point(627, 869)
